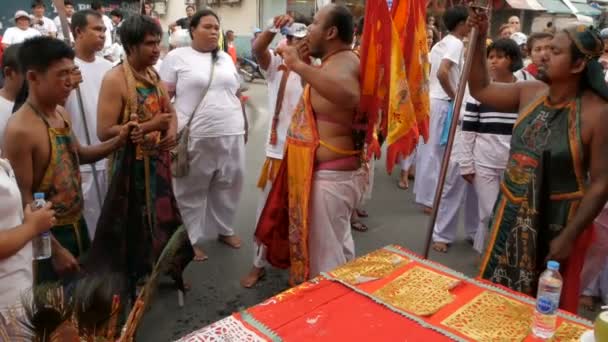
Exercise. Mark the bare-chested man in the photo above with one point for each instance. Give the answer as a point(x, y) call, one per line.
point(563, 119)
point(45, 154)
point(133, 90)
point(322, 161)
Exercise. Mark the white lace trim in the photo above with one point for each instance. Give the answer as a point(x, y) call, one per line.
point(228, 329)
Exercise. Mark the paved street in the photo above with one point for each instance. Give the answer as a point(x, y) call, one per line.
point(216, 293)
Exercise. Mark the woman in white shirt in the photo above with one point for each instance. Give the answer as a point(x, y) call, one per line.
point(485, 138)
point(17, 229)
point(207, 197)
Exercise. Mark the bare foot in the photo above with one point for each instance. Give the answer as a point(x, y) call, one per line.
point(199, 254)
point(232, 241)
point(441, 247)
point(403, 183)
point(255, 275)
point(362, 212)
point(427, 210)
point(587, 302)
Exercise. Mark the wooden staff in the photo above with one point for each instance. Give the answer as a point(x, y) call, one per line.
point(65, 28)
point(480, 5)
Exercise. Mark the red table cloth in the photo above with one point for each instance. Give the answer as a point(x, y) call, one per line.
point(390, 294)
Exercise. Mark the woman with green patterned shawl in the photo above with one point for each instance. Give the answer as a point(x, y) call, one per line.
point(546, 212)
point(140, 213)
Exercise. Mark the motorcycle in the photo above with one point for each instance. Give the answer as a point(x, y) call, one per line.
point(250, 70)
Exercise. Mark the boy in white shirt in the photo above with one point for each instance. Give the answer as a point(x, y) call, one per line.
point(20, 32)
point(42, 24)
point(69, 12)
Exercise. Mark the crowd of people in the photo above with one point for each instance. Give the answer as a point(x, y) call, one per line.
point(127, 150)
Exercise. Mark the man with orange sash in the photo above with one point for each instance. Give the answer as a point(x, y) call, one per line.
point(306, 221)
point(546, 212)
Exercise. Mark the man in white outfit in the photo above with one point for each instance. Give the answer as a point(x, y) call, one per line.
point(42, 24)
point(107, 46)
point(284, 92)
point(69, 12)
point(89, 31)
point(446, 59)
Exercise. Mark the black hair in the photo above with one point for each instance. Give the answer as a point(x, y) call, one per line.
point(116, 13)
point(196, 19)
point(37, 3)
point(510, 49)
point(537, 36)
point(360, 26)
point(10, 58)
point(191, 6)
point(454, 16)
point(96, 5)
point(68, 3)
point(341, 17)
point(80, 19)
point(229, 31)
point(38, 53)
point(134, 30)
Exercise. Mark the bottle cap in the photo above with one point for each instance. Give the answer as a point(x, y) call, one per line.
point(39, 195)
point(553, 265)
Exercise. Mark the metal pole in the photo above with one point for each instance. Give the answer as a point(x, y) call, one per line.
point(60, 6)
point(452, 133)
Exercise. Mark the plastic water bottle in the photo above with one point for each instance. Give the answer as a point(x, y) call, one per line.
point(547, 301)
point(41, 243)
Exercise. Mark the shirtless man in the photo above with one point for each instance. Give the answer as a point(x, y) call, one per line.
point(48, 155)
point(323, 187)
point(562, 117)
point(133, 90)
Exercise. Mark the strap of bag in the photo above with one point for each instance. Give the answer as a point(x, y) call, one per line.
point(203, 94)
point(278, 106)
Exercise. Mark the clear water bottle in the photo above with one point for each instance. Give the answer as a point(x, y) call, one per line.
point(547, 301)
point(41, 243)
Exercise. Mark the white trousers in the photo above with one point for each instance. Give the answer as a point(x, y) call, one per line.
point(208, 196)
point(456, 192)
point(259, 250)
point(429, 155)
point(334, 197)
point(487, 187)
point(406, 163)
point(92, 207)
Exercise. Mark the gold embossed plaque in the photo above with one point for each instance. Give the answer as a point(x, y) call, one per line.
point(492, 317)
point(568, 332)
point(419, 290)
point(375, 265)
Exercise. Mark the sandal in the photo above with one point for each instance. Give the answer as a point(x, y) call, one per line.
point(359, 226)
point(440, 247)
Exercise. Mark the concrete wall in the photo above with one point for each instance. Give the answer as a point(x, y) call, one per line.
point(241, 18)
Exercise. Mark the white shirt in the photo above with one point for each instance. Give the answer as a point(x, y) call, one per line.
point(187, 71)
point(291, 98)
point(107, 46)
point(449, 48)
point(15, 35)
point(6, 110)
point(92, 76)
point(57, 23)
point(47, 26)
point(485, 139)
point(16, 274)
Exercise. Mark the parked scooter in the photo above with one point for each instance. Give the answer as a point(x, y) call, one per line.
point(250, 70)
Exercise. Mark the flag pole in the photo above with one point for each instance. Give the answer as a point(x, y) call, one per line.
point(65, 29)
point(462, 84)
